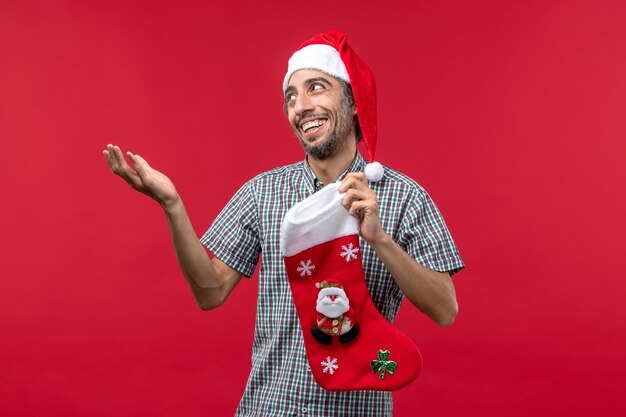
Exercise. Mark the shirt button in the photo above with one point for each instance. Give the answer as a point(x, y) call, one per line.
point(335, 322)
point(308, 368)
point(304, 410)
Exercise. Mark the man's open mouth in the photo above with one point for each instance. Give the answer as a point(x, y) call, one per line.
point(308, 126)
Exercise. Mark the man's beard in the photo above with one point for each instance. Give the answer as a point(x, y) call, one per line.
point(335, 140)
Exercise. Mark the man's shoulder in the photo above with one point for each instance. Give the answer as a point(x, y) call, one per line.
point(396, 181)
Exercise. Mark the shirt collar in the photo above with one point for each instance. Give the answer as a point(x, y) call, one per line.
point(357, 165)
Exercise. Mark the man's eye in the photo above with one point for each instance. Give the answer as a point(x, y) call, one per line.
point(290, 97)
point(317, 87)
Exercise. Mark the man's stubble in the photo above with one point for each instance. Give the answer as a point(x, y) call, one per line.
point(336, 139)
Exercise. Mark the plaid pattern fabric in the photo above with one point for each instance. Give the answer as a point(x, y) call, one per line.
point(280, 382)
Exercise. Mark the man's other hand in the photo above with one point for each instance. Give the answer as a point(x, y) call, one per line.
point(141, 176)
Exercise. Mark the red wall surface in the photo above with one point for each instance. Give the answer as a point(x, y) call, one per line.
point(511, 115)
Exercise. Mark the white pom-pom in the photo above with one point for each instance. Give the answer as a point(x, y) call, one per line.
point(374, 171)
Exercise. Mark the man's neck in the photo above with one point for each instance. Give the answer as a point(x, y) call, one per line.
point(331, 168)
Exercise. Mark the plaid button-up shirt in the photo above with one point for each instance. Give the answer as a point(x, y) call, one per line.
point(280, 382)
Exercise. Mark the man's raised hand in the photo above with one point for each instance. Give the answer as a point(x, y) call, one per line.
point(141, 176)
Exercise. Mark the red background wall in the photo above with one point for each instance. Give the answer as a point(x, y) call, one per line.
point(511, 114)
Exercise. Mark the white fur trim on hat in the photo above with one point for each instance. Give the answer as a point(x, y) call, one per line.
point(318, 57)
point(317, 219)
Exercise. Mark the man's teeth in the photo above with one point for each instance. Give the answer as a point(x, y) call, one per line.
point(314, 123)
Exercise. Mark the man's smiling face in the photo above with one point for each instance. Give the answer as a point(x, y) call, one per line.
point(318, 113)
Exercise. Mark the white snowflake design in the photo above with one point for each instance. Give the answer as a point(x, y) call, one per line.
point(329, 365)
point(349, 252)
point(306, 268)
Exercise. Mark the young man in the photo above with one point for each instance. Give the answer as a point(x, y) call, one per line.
point(407, 250)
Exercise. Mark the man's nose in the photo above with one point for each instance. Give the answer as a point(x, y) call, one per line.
point(303, 103)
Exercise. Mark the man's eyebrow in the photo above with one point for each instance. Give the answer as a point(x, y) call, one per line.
point(316, 80)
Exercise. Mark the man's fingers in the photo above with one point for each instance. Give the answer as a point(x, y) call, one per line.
point(355, 201)
point(352, 182)
point(141, 165)
point(114, 158)
point(353, 195)
point(120, 160)
point(124, 170)
point(110, 157)
point(119, 166)
point(136, 164)
point(358, 208)
point(107, 157)
point(359, 176)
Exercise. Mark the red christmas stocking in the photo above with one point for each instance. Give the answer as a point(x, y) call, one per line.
point(349, 344)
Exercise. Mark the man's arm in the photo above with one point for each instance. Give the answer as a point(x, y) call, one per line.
point(211, 281)
point(430, 291)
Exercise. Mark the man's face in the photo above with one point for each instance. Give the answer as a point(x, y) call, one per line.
point(317, 112)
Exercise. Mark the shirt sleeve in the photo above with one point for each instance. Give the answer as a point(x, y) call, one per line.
point(424, 235)
point(234, 235)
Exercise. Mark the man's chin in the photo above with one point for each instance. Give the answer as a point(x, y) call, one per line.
point(316, 149)
point(312, 141)
point(323, 147)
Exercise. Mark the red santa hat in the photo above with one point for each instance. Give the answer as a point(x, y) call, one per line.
point(330, 53)
point(331, 286)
